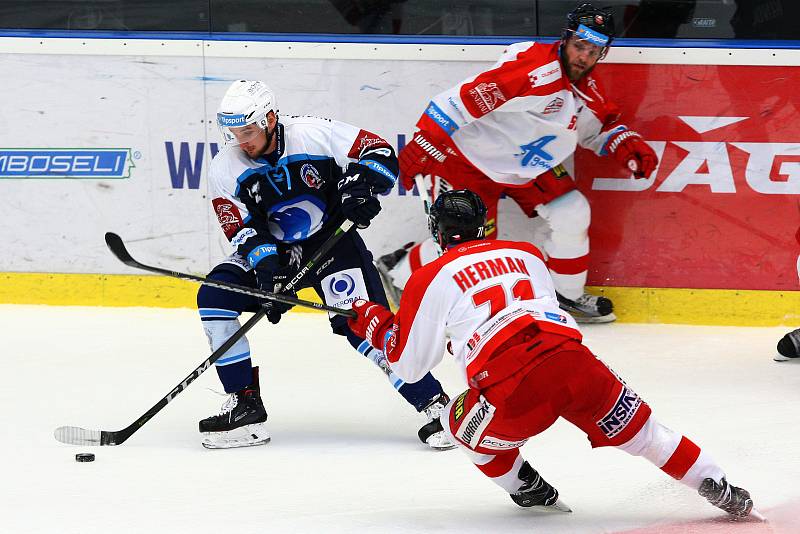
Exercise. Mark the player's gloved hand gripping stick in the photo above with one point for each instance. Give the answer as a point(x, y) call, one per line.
point(80, 436)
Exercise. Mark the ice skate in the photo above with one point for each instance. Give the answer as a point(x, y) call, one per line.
point(536, 492)
point(789, 347)
point(385, 264)
point(241, 421)
point(735, 501)
point(588, 308)
point(432, 432)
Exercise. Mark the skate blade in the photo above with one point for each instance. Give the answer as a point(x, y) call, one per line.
point(246, 436)
point(439, 442)
point(781, 358)
point(588, 319)
point(557, 507)
point(755, 514)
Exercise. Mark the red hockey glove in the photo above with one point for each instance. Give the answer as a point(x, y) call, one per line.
point(372, 323)
point(630, 149)
point(419, 156)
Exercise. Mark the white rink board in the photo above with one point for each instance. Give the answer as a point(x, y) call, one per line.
point(142, 103)
point(157, 99)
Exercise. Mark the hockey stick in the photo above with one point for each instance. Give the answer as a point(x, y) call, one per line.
point(74, 435)
point(423, 193)
point(117, 247)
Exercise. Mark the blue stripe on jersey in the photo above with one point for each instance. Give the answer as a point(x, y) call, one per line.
point(377, 167)
point(364, 347)
point(217, 313)
point(228, 360)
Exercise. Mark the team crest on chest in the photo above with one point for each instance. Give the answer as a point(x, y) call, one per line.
point(310, 176)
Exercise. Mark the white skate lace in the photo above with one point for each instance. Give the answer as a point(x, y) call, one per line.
point(230, 404)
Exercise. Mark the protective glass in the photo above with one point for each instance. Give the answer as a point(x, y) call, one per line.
point(235, 131)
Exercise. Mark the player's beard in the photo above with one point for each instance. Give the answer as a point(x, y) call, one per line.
point(575, 76)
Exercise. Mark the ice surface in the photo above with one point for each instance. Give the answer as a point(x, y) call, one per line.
point(344, 455)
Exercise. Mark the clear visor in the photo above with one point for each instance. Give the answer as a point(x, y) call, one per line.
point(235, 132)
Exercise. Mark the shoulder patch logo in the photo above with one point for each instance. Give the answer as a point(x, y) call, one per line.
point(487, 96)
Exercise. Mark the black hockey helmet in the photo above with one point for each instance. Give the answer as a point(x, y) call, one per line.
point(457, 216)
point(596, 20)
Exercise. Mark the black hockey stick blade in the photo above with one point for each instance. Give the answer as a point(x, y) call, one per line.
point(117, 247)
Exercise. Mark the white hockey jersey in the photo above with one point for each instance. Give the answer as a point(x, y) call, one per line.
point(478, 295)
point(523, 116)
point(293, 194)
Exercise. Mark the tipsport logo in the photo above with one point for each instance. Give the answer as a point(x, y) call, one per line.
point(74, 163)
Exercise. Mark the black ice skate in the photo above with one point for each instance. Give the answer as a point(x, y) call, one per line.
point(735, 501)
point(537, 492)
point(789, 347)
point(385, 264)
point(588, 308)
point(240, 422)
point(432, 432)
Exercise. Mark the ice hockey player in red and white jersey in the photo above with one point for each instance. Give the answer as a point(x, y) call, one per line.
point(524, 361)
point(508, 130)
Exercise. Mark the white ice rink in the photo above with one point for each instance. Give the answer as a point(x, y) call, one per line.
point(344, 455)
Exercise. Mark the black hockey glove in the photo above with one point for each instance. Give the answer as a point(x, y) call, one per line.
point(358, 203)
point(272, 278)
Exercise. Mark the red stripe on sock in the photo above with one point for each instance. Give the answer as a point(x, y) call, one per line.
point(499, 465)
point(682, 459)
point(415, 257)
point(568, 265)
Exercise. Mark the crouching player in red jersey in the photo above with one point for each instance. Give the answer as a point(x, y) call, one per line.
point(524, 362)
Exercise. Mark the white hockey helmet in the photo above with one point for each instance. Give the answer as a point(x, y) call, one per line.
point(245, 102)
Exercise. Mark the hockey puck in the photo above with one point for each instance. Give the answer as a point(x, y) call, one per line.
point(84, 457)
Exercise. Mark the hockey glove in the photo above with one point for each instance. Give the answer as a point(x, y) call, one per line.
point(358, 203)
point(372, 323)
point(630, 149)
point(272, 278)
point(420, 156)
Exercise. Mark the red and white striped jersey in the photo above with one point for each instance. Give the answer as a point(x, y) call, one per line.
point(523, 116)
point(477, 294)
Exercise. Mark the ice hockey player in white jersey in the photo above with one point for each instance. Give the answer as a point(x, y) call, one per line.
point(281, 188)
point(524, 361)
point(508, 131)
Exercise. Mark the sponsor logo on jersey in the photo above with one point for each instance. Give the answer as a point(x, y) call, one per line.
point(343, 288)
point(458, 406)
point(621, 413)
point(487, 96)
point(229, 217)
point(89, 163)
point(310, 176)
point(243, 235)
point(545, 74)
point(440, 117)
point(475, 422)
point(555, 317)
point(491, 442)
point(296, 218)
point(553, 106)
